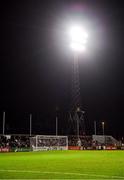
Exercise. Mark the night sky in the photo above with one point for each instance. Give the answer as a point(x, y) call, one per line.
point(36, 64)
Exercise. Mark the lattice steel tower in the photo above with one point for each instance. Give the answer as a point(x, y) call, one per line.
point(78, 41)
point(76, 114)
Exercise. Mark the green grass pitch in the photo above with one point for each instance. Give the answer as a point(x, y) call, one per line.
point(62, 165)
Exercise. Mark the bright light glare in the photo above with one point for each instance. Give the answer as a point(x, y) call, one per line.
point(78, 38)
point(77, 47)
point(84, 41)
point(78, 34)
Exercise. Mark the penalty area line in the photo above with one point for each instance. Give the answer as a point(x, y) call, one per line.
point(65, 173)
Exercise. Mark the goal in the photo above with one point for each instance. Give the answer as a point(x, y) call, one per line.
point(43, 142)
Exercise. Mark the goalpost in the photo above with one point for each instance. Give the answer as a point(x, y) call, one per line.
point(44, 142)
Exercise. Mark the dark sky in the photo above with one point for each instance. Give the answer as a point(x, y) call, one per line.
point(36, 61)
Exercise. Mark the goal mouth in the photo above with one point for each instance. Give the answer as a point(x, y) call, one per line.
point(45, 142)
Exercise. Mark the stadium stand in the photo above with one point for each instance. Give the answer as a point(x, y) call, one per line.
point(105, 140)
point(14, 141)
point(23, 142)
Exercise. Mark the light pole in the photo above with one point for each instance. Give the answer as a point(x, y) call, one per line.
point(78, 37)
point(3, 123)
point(95, 127)
point(30, 124)
point(103, 128)
point(56, 125)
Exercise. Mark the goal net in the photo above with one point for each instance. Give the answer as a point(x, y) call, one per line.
point(43, 142)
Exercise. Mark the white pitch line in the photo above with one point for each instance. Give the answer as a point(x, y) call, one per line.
point(65, 173)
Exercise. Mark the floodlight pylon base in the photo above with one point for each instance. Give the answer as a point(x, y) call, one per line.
point(77, 121)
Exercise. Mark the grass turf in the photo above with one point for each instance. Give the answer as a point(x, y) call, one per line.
point(62, 165)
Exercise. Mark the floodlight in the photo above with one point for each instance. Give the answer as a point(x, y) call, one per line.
point(78, 34)
point(103, 123)
point(78, 37)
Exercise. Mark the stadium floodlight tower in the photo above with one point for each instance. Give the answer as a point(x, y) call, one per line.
point(78, 37)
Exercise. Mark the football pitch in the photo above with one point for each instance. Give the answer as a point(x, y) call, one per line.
point(62, 165)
